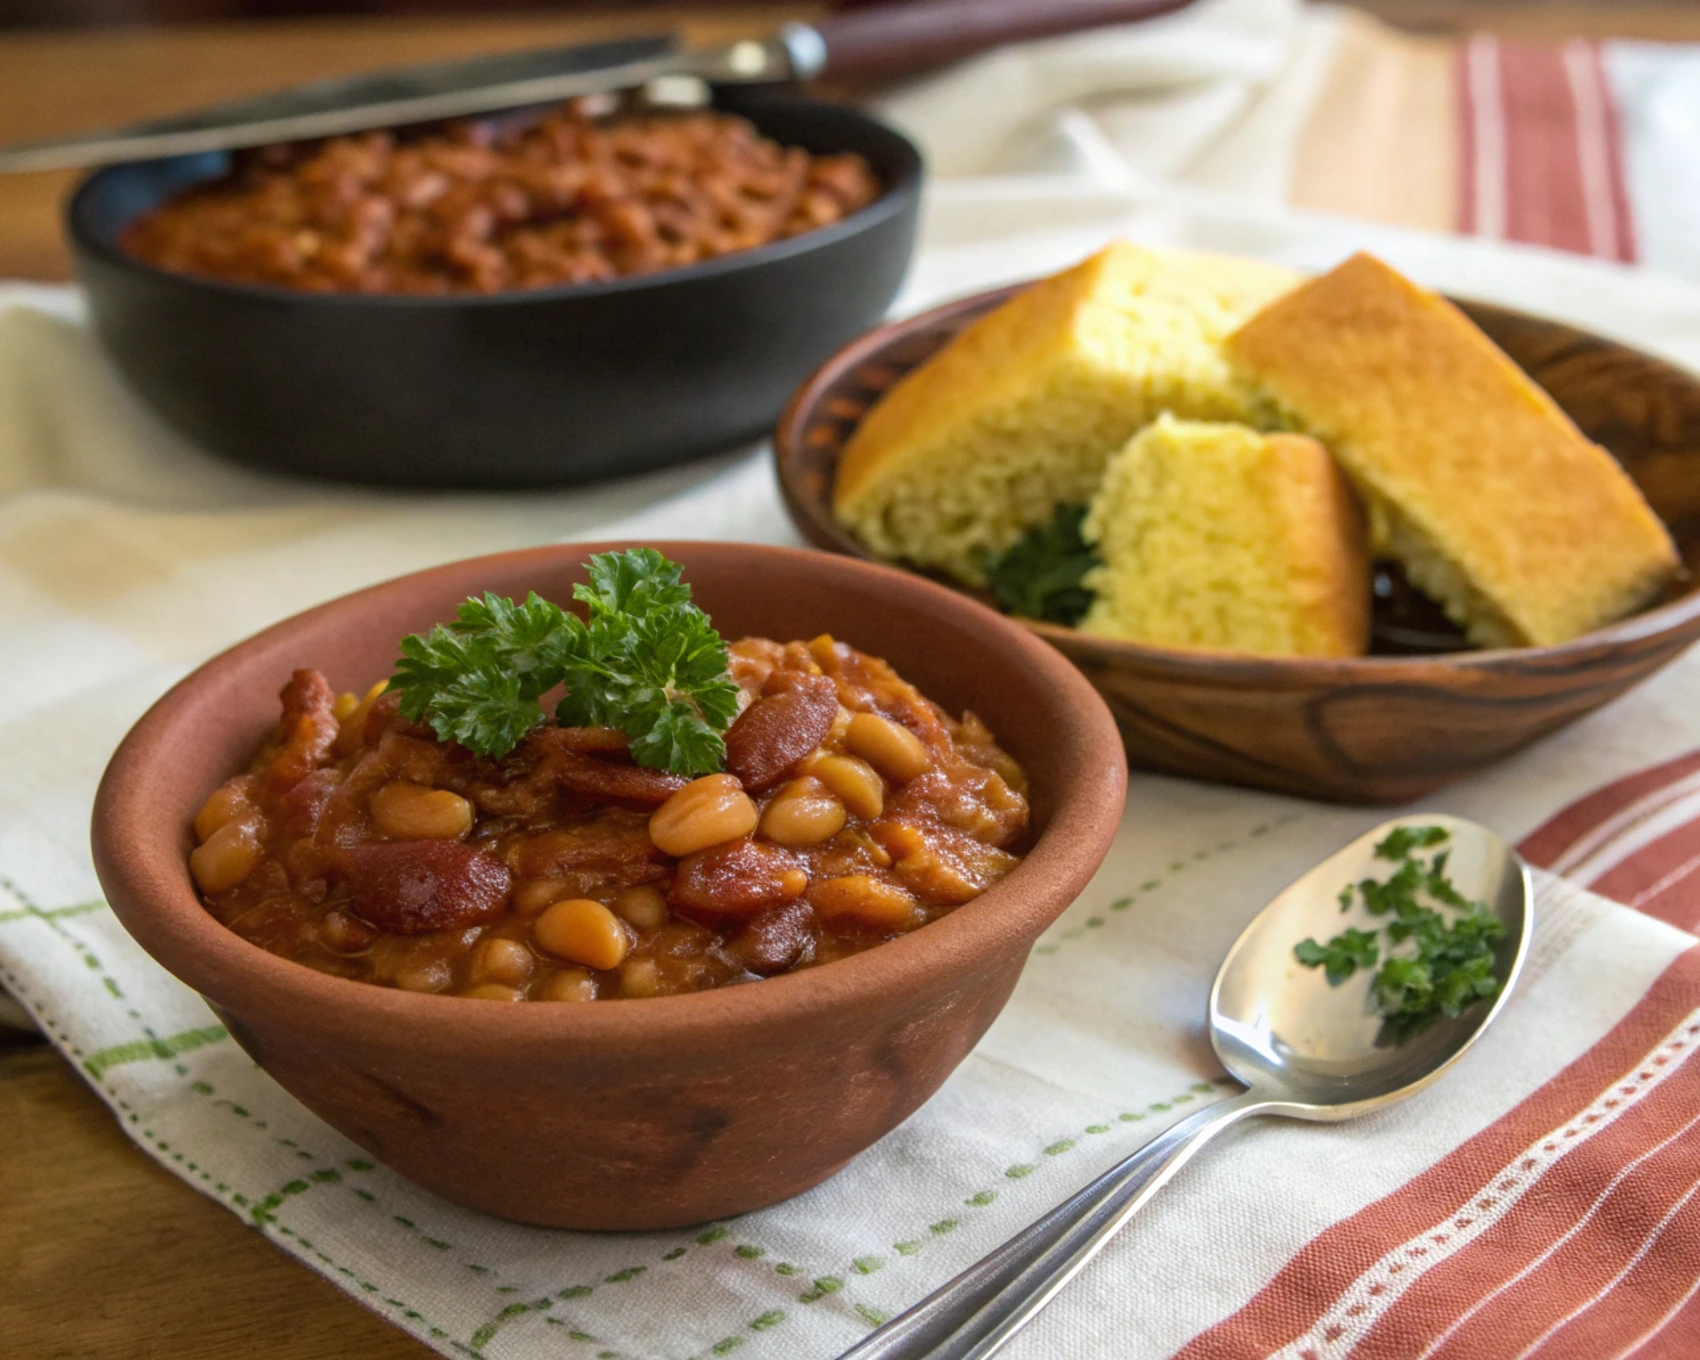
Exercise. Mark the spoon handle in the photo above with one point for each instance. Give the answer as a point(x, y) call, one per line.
point(997, 1295)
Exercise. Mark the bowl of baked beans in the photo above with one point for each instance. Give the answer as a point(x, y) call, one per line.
point(542, 298)
point(503, 888)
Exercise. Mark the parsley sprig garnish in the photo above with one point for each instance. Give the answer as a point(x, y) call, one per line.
point(1042, 574)
point(644, 659)
point(1432, 964)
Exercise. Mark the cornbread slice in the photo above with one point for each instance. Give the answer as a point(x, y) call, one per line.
point(1217, 536)
point(1021, 411)
point(1498, 507)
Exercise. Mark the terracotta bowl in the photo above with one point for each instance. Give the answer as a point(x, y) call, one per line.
point(1375, 729)
point(648, 1113)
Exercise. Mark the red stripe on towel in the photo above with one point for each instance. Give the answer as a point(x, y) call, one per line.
point(1542, 144)
point(1346, 1291)
point(1547, 844)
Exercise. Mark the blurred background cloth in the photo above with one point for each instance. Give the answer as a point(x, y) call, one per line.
point(1581, 144)
point(1560, 15)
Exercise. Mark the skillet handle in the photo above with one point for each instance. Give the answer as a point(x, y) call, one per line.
point(891, 39)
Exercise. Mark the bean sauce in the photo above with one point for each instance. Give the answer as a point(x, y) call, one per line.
point(854, 810)
point(472, 208)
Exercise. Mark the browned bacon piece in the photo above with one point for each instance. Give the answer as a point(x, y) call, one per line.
point(736, 878)
point(416, 887)
point(792, 717)
point(308, 729)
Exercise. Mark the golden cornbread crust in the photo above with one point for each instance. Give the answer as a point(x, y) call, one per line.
point(1020, 412)
point(1214, 536)
point(1496, 504)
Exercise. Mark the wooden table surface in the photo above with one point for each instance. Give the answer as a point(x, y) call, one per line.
point(104, 1253)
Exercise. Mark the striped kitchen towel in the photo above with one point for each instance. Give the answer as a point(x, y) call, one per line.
point(1585, 146)
point(1543, 147)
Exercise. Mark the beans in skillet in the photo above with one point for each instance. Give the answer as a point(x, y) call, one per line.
point(472, 208)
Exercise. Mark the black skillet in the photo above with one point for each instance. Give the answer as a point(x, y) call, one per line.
point(551, 385)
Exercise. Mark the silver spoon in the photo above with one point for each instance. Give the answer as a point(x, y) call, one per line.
point(1303, 1049)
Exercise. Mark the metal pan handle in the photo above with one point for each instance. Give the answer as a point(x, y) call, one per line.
point(890, 39)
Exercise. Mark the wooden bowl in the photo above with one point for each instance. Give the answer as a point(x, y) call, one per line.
point(1379, 728)
point(647, 1113)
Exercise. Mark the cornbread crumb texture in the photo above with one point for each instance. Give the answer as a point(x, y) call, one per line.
point(1022, 410)
point(1216, 536)
point(1495, 503)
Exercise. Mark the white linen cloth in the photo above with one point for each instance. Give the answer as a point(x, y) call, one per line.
point(127, 556)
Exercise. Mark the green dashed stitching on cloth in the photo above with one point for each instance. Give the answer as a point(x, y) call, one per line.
point(410, 1314)
point(748, 1251)
point(262, 1212)
point(222, 1190)
point(52, 916)
point(786, 1268)
point(98, 1063)
point(1052, 945)
point(485, 1334)
point(823, 1285)
point(863, 1265)
point(577, 1291)
point(731, 1343)
point(49, 913)
point(827, 1284)
point(629, 1273)
point(675, 1254)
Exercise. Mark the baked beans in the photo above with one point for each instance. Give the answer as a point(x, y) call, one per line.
point(853, 810)
point(471, 207)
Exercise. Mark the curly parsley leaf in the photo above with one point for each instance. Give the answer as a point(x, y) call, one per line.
point(645, 660)
point(1042, 574)
point(477, 680)
point(1438, 956)
point(1400, 841)
point(1340, 957)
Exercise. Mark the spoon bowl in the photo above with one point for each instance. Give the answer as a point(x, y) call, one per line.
point(1321, 1050)
point(1304, 1047)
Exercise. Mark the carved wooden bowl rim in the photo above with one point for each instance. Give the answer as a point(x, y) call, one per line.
point(809, 440)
